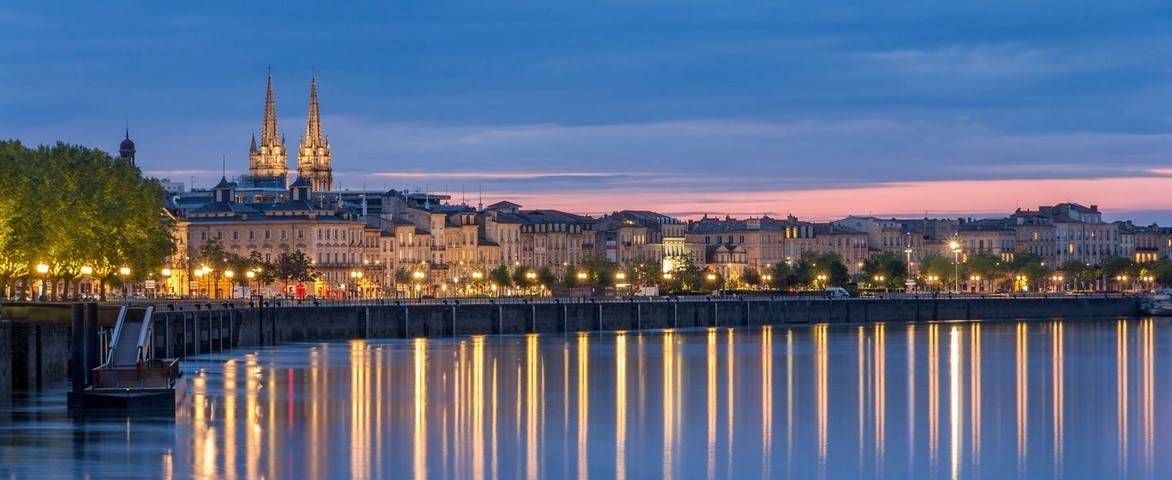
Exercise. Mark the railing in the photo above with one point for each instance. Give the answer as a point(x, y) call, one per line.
point(145, 336)
point(108, 352)
point(153, 374)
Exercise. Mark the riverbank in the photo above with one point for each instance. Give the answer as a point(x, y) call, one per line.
point(35, 349)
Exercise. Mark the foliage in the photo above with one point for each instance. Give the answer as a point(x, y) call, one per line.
point(888, 265)
point(500, 276)
point(69, 206)
point(546, 277)
point(751, 277)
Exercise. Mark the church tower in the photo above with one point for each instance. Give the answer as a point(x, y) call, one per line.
point(313, 153)
point(126, 148)
point(269, 159)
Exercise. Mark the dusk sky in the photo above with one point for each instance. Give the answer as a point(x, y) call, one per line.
point(816, 109)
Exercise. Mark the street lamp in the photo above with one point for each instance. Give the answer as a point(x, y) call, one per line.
point(229, 274)
point(975, 279)
point(124, 272)
point(87, 270)
point(955, 246)
point(356, 279)
point(250, 275)
point(42, 271)
point(166, 282)
point(418, 276)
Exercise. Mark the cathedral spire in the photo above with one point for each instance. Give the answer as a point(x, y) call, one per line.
point(313, 153)
point(313, 119)
point(269, 134)
point(269, 160)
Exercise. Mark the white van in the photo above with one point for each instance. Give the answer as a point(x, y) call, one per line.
point(837, 292)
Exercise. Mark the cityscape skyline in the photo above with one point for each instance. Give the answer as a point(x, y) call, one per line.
point(744, 110)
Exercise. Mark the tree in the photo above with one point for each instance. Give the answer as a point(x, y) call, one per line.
point(986, 266)
point(828, 264)
point(751, 277)
point(500, 276)
point(570, 276)
point(885, 270)
point(1078, 273)
point(546, 277)
point(71, 207)
point(293, 267)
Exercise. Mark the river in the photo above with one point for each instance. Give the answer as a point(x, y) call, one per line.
point(1038, 399)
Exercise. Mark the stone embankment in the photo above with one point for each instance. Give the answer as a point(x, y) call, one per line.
point(35, 349)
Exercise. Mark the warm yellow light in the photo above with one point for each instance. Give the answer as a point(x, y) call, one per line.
point(530, 275)
point(166, 271)
point(229, 274)
point(711, 276)
point(124, 271)
point(250, 274)
point(87, 270)
point(418, 275)
point(477, 275)
point(667, 276)
point(620, 275)
point(953, 244)
point(42, 268)
point(581, 275)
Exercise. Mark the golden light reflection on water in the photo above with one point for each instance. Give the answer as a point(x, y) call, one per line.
point(1022, 359)
point(954, 400)
point(821, 394)
point(712, 361)
point(583, 405)
point(975, 391)
point(933, 393)
point(620, 407)
point(229, 412)
point(730, 391)
point(1147, 389)
point(532, 407)
point(1058, 391)
point(767, 401)
point(359, 409)
point(1121, 386)
point(880, 384)
point(419, 437)
point(669, 403)
point(911, 392)
point(436, 406)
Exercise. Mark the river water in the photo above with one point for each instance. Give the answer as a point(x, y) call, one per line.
point(1053, 399)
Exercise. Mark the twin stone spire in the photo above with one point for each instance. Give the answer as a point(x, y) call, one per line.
point(269, 160)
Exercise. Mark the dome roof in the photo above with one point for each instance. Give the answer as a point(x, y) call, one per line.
point(126, 148)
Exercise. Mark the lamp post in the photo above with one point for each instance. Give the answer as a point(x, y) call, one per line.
point(42, 271)
point(976, 279)
point(955, 246)
point(418, 276)
point(229, 274)
point(356, 279)
point(477, 276)
point(123, 273)
point(87, 270)
point(250, 275)
point(166, 282)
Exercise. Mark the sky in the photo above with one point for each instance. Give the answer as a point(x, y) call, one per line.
point(814, 109)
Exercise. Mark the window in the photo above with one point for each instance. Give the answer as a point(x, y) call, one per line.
point(235, 235)
point(251, 235)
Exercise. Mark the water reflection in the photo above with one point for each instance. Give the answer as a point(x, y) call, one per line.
point(1014, 399)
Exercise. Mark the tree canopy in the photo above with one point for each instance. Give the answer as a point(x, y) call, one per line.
point(69, 206)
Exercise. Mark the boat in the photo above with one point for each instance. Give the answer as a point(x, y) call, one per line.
point(1156, 305)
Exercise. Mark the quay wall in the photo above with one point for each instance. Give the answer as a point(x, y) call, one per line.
point(35, 349)
point(193, 332)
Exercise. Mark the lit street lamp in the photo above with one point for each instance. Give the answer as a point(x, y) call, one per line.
point(955, 246)
point(42, 271)
point(229, 274)
point(123, 273)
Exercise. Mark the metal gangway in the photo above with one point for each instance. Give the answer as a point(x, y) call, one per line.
point(128, 360)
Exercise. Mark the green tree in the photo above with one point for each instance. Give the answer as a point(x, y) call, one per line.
point(986, 266)
point(885, 270)
point(500, 276)
point(751, 277)
point(71, 207)
point(294, 267)
point(830, 265)
point(570, 276)
point(546, 277)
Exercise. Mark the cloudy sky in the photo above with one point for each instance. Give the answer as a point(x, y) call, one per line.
point(816, 109)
